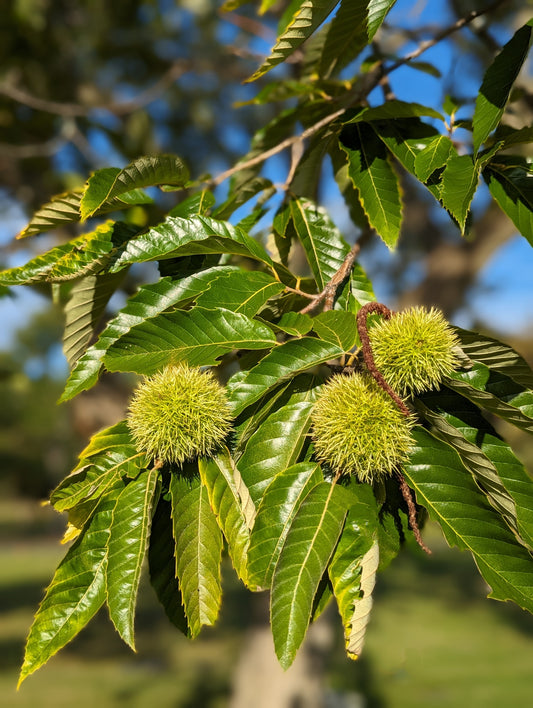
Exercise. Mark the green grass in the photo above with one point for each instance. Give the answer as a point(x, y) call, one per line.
point(434, 641)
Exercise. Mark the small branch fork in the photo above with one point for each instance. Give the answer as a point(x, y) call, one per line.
point(327, 296)
point(366, 347)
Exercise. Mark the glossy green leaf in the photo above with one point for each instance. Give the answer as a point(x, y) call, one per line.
point(346, 36)
point(197, 336)
point(452, 498)
point(109, 455)
point(377, 11)
point(510, 186)
point(294, 323)
point(61, 209)
point(87, 301)
point(308, 16)
point(375, 180)
point(162, 566)
point(127, 545)
point(308, 548)
point(459, 183)
point(336, 327)
point(232, 505)
point(109, 184)
point(497, 84)
point(496, 355)
point(193, 236)
point(361, 290)
point(275, 514)
point(198, 203)
point(76, 593)
point(495, 393)
point(149, 301)
point(323, 244)
point(198, 551)
point(240, 291)
point(283, 362)
point(279, 440)
point(434, 156)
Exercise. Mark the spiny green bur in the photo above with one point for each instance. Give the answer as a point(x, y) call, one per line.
point(414, 350)
point(179, 414)
point(358, 429)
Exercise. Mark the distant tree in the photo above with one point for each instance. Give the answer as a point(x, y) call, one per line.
point(285, 414)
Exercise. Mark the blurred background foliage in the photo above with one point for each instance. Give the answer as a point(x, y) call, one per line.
point(91, 84)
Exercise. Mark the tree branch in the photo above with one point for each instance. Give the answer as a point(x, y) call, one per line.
point(328, 294)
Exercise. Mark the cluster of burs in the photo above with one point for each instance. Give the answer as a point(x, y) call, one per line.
point(358, 428)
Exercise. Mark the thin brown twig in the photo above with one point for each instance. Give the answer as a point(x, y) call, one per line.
point(327, 296)
point(411, 511)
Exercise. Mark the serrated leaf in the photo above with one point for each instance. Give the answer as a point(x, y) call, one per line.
point(323, 244)
point(308, 16)
point(459, 183)
point(433, 156)
point(198, 551)
point(197, 336)
point(496, 355)
point(232, 505)
point(511, 187)
point(192, 236)
point(109, 183)
point(280, 438)
point(283, 362)
point(87, 254)
point(346, 36)
point(375, 180)
point(110, 454)
point(450, 495)
point(128, 541)
point(162, 566)
point(76, 593)
point(280, 502)
point(308, 548)
point(240, 291)
point(293, 323)
point(87, 301)
point(199, 203)
point(336, 327)
point(496, 393)
point(149, 301)
point(497, 83)
point(355, 635)
point(377, 11)
point(61, 209)
point(361, 290)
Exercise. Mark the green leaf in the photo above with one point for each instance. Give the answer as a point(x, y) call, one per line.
point(393, 110)
point(87, 301)
point(308, 16)
point(283, 362)
point(377, 11)
point(375, 180)
point(110, 184)
point(355, 630)
point(162, 566)
point(61, 209)
point(198, 551)
point(497, 84)
point(76, 593)
point(323, 244)
point(275, 514)
point(110, 454)
point(450, 495)
point(279, 440)
point(434, 156)
point(149, 301)
point(496, 355)
point(241, 193)
point(232, 505)
point(510, 186)
point(336, 327)
point(127, 545)
point(293, 323)
point(187, 237)
point(308, 548)
point(346, 36)
point(361, 290)
point(459, 183)
point(486, 389)
point(199, 203)
point(240, 291)
point(197, 336)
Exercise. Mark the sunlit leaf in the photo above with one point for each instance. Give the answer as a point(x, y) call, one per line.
point(240, 291)
point(459, 183)
point(377, 11)
point(337, 327)
point(432, 157)
point(510, 185)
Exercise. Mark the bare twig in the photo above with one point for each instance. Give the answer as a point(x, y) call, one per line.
point(327, 296)
point(411, 511)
